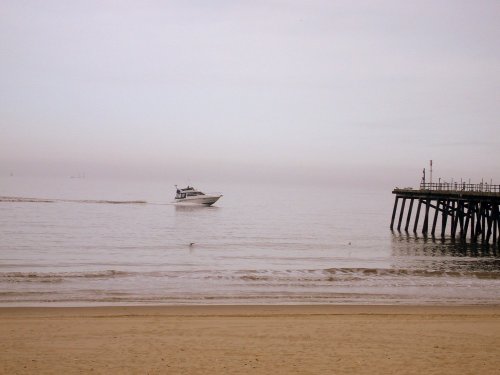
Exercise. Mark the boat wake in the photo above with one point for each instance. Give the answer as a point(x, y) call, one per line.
point(45, 200)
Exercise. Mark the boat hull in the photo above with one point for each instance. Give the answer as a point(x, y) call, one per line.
point(204, 200)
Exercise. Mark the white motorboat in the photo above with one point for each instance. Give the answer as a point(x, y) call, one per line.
point(190, 195)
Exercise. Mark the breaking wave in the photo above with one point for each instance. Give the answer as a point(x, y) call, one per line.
point(494, 274)
point(268, 276)
point(347, 274)
point(253, 276)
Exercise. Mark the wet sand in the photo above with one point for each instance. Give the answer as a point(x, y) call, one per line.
point(251, 339)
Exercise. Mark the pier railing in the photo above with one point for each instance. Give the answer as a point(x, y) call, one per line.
point(460, 186)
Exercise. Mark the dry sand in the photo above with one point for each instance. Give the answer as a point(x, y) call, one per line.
point(251, 339)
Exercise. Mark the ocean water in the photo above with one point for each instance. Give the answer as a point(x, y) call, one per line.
point(89, 242)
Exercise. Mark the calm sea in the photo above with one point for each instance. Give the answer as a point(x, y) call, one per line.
point(258, 245)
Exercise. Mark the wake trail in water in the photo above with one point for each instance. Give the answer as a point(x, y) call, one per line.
point(45, 200)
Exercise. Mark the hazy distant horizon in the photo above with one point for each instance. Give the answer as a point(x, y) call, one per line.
point(369, 178)
point(327, 92)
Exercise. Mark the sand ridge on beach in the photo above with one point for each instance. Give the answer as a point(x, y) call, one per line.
point(251, 340)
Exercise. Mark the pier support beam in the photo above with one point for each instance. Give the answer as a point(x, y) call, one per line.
point(409, 215)
point(489, 220)
point(436, 213)
point(472, 221)
point(454, 219)
point(394, 211)
point(444, 221)
point(467, 219)
point(494, 218)
point(461, 215)
point(401, 213)
point(425, 226)
point(481, 221)
point(417, 216)
point(473, 215)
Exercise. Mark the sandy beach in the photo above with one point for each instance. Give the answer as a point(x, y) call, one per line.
point(251, 339)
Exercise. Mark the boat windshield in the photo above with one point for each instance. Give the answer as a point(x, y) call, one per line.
point(187, 192)
point(194, 193)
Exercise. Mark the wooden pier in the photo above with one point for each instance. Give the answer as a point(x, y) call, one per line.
point(467, 211)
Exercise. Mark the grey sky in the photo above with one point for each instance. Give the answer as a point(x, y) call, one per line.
point(297, 90)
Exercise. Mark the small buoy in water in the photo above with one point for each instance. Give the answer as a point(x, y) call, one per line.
point(349, 243)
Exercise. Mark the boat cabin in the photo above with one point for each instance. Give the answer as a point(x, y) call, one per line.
point(187, 192)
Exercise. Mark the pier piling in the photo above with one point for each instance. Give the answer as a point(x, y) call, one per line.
point(401, 213)
point(408, 217)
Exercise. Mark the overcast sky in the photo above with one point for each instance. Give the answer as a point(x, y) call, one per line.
point(292, 90)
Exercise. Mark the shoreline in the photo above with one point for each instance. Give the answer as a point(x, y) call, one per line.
point(231, 309)
point(228, 339)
